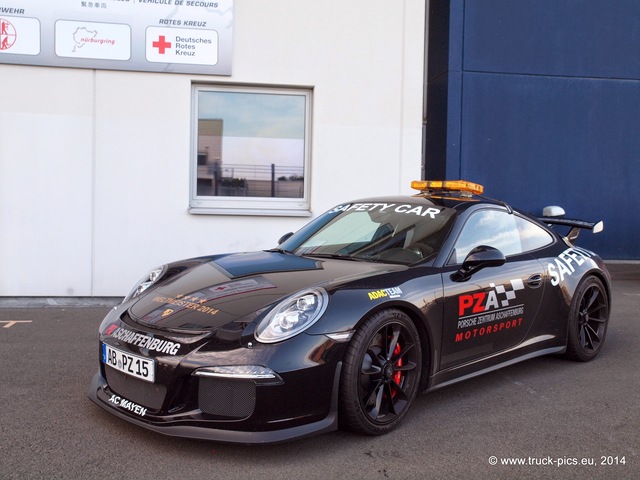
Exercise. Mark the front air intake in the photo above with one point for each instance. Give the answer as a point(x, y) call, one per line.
point(226, 397)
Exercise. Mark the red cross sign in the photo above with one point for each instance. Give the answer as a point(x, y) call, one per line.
point(161, 44)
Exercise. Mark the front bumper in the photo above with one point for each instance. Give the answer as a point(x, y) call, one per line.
point(198, 425)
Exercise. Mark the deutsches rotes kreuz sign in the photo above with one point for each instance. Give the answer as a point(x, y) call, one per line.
point(181, 36)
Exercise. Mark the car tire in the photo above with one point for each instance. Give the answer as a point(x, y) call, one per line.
point(588, 320)
point(381, 373)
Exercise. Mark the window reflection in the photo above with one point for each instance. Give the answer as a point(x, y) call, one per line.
point(251, 144)
point(510, 234)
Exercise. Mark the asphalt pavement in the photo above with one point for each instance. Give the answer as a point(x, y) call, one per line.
point(545, 418)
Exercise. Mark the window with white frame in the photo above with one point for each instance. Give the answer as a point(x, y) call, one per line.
point(251, 150)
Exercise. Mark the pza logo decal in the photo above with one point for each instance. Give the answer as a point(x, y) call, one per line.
point(492, 311)
point(481, 302)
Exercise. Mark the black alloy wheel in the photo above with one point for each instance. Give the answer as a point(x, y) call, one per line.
point(381, 373)
point(588, 319)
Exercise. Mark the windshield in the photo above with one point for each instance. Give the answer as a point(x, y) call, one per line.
point(386, 232)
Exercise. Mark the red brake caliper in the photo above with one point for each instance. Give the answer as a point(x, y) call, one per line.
point(397, 377)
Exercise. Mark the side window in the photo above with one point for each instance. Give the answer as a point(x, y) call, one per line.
point(494, 228)
point(531, 235)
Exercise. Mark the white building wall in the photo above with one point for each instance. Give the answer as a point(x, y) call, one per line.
point(95, 164)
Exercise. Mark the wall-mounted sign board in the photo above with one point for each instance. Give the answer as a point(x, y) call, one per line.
point(174, 36)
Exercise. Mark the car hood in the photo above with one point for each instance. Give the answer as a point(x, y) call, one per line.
point(231, 290)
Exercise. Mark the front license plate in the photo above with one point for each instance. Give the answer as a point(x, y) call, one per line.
point(134, 365)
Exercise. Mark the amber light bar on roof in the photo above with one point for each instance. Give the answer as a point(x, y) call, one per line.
point(449, 185)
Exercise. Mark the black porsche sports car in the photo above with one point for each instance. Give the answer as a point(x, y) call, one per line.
point(346, 320)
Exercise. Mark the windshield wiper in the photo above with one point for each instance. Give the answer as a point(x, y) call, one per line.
point(335, 256)
point(278, 250)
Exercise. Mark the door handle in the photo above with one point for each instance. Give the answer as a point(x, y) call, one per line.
point(535, 280)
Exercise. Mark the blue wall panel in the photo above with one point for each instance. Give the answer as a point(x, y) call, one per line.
point(543, 107)
point(535, 141)
point(553, 37)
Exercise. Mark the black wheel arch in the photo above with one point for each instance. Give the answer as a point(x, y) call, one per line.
point(575, 350)
point(424, 328)
point(605, 281)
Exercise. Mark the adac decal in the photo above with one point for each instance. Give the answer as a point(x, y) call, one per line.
point(565, 263)
point(145, 341)
point(492, 311)
point(128, 405)
point(418, 210)
point(393, 292)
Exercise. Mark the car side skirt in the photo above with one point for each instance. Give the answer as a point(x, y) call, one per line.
point(451, 376)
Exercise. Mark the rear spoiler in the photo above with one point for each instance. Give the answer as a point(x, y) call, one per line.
point(550, 217)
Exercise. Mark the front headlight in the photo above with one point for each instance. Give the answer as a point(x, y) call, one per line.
point(292, 316)
point(145, 282)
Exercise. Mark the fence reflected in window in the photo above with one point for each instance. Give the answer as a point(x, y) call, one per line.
point(251, 144)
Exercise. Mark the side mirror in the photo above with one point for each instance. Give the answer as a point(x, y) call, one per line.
point(284, 238)
point(553, 211)
point(480, 257)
